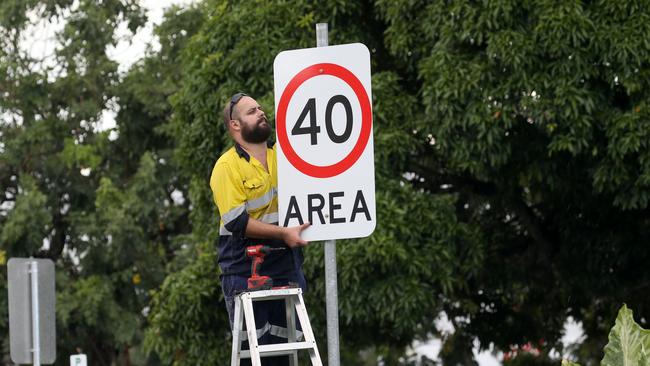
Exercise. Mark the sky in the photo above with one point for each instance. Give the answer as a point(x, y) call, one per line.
point(40, 42)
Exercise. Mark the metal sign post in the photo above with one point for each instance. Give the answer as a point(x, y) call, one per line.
point(36, 332)
point(331, 284)
point(32, 325)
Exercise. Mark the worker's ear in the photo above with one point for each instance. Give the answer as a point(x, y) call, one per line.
point(234, 123)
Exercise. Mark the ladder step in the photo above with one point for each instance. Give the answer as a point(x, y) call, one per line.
point(279, 349)
point(273, 294)
point(268, 348)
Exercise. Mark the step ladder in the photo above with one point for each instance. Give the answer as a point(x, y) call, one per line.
point(244, 313)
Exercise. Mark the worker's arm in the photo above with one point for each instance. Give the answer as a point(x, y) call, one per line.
point(231, 199)
point(289, 235)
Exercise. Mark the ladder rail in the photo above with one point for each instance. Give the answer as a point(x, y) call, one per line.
point(291, 328)
point(251, 329)
point(236, 333)
point(301, 310)
point(294, 305)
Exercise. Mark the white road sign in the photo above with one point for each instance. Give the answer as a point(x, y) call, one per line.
point(78, 360)
point(326, 171)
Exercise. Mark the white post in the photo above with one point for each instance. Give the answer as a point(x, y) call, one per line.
point(331, 285)
point(36, 339)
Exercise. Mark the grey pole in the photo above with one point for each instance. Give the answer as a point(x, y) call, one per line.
point(36, 339)
point(331, 285)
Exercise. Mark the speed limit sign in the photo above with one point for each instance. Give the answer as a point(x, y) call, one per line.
point(323, 114)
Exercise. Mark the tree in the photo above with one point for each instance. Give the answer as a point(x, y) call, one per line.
point(106, 206)
point(397, 301)
point(538, 116)
point(511, 160)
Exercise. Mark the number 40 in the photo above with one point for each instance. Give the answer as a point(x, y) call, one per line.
point(314, 129)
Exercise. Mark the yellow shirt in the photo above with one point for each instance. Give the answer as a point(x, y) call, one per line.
point(243, 188)
point(240, 184)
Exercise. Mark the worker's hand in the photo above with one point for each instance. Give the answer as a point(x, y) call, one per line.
point(291, 235)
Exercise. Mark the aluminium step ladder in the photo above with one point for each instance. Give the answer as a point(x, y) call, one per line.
point(244, 313)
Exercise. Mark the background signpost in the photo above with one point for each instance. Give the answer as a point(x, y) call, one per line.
point(78, 360)
point(326, 173)
point(32, 326)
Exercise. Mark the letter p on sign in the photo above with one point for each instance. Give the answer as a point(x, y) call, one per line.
point(326, 171)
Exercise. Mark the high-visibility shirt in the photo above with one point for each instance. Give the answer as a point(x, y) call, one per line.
point(242, 188)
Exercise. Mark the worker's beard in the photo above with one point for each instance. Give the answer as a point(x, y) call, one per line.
point(258, 133)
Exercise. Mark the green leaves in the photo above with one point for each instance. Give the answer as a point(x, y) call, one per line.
point(28, 222)
point(188, 315)
point(629, 344)
point(75, 155)
point(569, 363)
point(499, 153)
point(112, 232)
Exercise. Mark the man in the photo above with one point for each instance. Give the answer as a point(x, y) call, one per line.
point(244, 186)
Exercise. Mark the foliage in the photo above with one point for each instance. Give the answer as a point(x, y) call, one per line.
point(506, 118)
point(569, 363)
point(99, 203)
point(25, 228)
point(526, 105)
point(390, 292)
point(629, 344)
point(185, 319)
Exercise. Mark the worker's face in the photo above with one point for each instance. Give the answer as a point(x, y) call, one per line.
point(253, 124)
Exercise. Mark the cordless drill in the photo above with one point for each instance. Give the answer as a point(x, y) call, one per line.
point(258, 252)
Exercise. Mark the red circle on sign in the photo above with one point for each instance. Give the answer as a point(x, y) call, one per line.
point(327, 171)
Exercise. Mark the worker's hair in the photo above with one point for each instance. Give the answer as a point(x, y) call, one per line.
point(226, 116)
point(227, 112)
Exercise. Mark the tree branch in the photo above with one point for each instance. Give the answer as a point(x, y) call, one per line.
point(512, 201)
